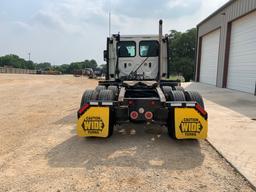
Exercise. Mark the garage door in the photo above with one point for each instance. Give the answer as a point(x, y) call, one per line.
point(209, 57)
point(242, 59)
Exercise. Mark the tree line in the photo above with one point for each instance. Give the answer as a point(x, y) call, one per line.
point(16, 62)
point(182, 49)
point(182, 53)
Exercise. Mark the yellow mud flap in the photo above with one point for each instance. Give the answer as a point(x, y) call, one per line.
point(94, 122)
point(190, 123)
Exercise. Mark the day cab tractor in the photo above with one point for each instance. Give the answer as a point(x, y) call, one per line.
point(137, 90)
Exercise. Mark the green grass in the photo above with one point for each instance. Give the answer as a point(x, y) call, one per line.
point(175, 77)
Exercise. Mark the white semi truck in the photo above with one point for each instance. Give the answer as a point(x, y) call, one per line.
point(137, 90)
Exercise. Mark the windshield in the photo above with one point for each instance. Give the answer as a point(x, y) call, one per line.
point(126, 49)
point(149, 48)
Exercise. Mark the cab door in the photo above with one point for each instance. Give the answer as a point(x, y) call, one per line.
point(149, 56)
point(127, 57)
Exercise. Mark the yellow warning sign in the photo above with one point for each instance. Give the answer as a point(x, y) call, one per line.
point(190, 124)
point(94, 122)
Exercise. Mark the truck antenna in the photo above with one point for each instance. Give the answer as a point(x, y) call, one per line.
point(109, 19)
point(109, 23)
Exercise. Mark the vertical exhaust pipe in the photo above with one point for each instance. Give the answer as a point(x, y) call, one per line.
point(160, 64)
point(255, 89)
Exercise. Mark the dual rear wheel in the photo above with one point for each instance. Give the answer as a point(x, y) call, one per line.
point(101, 94)
point(179, 94)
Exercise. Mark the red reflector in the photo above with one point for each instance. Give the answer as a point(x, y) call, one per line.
point(200, 109)
point(130, 102)
point(134, 115)
point(84, 108)
point(152, 102)
point(148, 115)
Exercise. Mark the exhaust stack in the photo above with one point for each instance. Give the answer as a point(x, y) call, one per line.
point(160, 50)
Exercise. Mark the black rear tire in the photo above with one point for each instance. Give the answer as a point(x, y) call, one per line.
point(177, 96)
point(89, 95)
point(100, 88)
point(108, 95)
point(174, 96)
point(179, 88)
point(94, 96)
point(86, 97)
point(194, 96)
point(171, 130)
point(167, 91)
point(114, 89)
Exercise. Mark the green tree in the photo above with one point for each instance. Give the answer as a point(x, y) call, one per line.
point(44, 66)
point(75, 66)
point(64, 69)
point(82, 65)
point(89, 64)
point(104, 68)
point(182, 53)
point(92, 64)
point(16, 62)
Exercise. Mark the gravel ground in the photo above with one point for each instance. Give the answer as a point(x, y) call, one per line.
point(39, 149)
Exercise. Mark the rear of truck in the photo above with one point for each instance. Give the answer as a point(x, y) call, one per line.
point(137, 90)
point(182, 112)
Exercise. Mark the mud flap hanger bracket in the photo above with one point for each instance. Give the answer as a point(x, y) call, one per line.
point(180, 104)
point(188, 104)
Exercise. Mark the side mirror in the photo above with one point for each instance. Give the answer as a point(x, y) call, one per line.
point(105, 55)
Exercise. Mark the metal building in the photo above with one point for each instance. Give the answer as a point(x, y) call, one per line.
point(226, 51)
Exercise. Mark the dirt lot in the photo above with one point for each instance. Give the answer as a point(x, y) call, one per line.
point(39, 149)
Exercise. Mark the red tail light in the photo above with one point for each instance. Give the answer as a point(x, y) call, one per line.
point(134, 115)
point(200, 109)
point(149, 115)
point(84, 108)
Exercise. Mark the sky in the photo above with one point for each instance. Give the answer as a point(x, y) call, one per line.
point(65, 31)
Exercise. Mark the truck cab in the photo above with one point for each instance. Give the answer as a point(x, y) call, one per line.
point(136, 57)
